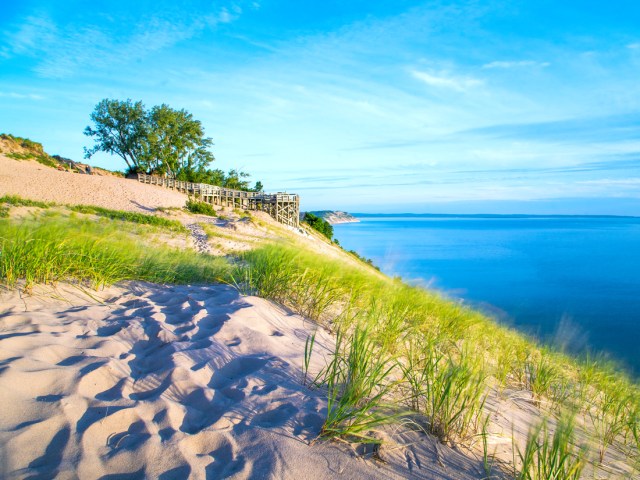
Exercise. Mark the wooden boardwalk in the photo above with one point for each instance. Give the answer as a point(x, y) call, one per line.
point(284, 207)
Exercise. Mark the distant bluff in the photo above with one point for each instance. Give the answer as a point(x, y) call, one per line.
point(334, 217)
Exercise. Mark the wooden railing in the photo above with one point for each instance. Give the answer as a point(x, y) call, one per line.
point(284, 207)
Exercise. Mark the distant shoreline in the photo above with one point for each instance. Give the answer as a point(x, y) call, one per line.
point(484, 215)
point(339, 222)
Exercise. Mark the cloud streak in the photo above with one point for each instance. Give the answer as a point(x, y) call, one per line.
point(21, 96)
point(447, 81)
point(65, 49)
point(515, 64)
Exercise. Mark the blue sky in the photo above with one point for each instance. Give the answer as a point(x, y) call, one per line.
point(404, 106)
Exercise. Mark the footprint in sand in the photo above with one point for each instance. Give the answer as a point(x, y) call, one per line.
point(203, 411)
point(224, 464)
point(310, 424)
point(276, 417)
point(94, 379)
point(236, 369)
point(177, 473)
point(265, 389)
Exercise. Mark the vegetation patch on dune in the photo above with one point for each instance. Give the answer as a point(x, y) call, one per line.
point(134, 217)
point(13, 200)
point(55, 249)
point(28, 150)
point(204, 208)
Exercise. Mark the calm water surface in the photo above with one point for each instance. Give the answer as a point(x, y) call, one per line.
point(571, 280)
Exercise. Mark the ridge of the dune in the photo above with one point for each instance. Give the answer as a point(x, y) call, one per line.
point(29, 179)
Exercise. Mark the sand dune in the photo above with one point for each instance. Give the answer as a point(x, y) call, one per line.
point(32, 180)
point(175, 382)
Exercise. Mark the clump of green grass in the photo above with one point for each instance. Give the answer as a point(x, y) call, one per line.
point(611, 415)
point(242, 213)
point(204, 208)
point(308, 285)
point(357, 382)
point(551, 456)
point(541, 375)
point(133, 217)
point(449, 391)
point(76, 250)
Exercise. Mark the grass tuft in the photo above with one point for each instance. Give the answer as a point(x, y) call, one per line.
point(448, 390)
point(552, 455)
point(357, 381)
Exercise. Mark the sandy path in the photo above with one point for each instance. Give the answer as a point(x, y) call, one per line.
point(32, 180)
point(174, 382)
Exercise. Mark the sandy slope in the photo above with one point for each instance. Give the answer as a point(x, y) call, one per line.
point(32, 180)
point(174, 382)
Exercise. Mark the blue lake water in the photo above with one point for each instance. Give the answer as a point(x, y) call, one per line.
point(573, 281)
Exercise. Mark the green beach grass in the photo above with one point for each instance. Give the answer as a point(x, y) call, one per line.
point(402, 353)
point(53, 248)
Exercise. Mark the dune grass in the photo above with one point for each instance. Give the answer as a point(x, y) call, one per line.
point(357, 382)
point(549, 456)
point(54, 249)
point(16, 201)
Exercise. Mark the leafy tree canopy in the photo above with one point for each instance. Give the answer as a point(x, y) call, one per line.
point(162, 141)
point(120, 128)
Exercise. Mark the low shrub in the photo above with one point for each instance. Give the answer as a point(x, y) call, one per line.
point(203, 208)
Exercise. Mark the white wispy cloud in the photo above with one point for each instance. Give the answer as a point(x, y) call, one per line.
point(26, 96)
point(617, 182)
point(444, 80)
point(516, 64)
point(61, 49)
point(634, 46)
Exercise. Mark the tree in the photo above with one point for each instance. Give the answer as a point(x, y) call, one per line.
point(177, 145)
point(319, 224)
point(236, 180)
point(162, 140)
point(120, 129)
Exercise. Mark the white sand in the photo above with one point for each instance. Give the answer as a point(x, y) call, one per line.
point(32, 180)
point(175, 382)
